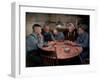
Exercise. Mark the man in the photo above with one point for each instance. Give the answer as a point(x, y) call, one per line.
point(33, 42)
point(83, 41)
point(70, 33)
point(59, 36)
point(47, 34)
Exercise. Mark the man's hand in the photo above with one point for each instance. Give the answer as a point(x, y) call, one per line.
point(70, 42)
point(40, 35)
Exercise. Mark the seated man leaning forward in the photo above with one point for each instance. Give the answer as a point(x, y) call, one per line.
point(83, 41)
point(59, 36)
point(47, 34)
point(33, 42)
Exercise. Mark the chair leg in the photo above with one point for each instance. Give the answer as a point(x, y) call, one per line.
point(57, 62)
point(86, 61)
point(81, 59)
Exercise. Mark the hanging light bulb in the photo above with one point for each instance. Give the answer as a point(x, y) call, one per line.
point(59, 24)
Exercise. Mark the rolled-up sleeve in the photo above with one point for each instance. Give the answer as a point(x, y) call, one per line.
point(31, 44)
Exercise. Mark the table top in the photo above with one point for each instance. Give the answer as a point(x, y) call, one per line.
point(63, 50)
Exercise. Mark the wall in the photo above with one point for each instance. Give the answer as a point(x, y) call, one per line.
point(40, 18)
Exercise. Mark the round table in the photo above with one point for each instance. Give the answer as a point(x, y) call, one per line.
point(59, 49)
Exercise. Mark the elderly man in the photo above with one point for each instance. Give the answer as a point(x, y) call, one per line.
point(71, 32)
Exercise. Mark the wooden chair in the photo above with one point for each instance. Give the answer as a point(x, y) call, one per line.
point(85, 61)
point(49, 58)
